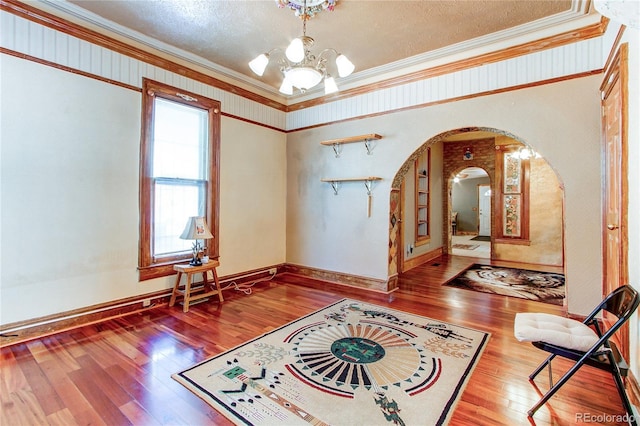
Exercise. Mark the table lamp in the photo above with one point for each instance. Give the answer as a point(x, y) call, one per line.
point(196, 229)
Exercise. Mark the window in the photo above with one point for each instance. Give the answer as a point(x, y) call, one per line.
point(423, 198)
point(179, 174)
point(512, 212)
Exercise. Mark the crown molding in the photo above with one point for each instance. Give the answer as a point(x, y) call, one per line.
point(491, 48)
point(126, 47)
point(573, 36)
point(106, 26)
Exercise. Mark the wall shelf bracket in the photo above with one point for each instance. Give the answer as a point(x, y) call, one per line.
point(369, 146)
point(335, 185)
point(368, 184)
point(337, 148)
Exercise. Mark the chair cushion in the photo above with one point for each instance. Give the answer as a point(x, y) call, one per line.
point(559, 331)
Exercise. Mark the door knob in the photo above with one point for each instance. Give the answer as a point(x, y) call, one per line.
point(612, 227)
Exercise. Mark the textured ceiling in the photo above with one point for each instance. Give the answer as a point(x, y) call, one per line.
point(229, 33)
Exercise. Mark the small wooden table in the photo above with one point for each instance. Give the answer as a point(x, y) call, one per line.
point(189, 294)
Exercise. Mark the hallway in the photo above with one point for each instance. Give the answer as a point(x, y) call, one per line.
point(463, 245)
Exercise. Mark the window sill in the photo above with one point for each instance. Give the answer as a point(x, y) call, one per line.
point(156, 271)
point(423, 241)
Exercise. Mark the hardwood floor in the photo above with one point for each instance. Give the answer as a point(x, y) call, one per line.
point(118, 372)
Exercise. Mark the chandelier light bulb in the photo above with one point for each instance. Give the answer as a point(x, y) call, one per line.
point(330, 85)
point(259, 64)
point(345, 66)
point(286, 87)
point(295, 51)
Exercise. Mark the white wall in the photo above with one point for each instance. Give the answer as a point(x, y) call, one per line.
point(69, 193)
point(253, 197)
point(560, 120)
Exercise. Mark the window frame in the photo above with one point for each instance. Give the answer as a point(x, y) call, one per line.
point(150, 267)
point(525, 165)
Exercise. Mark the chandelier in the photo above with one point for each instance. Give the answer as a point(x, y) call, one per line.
point(300, 68)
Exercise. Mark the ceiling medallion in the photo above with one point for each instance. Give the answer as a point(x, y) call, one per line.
point(306, 10)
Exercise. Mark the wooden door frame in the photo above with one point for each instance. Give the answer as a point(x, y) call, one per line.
point(488, 185)
point(400, 236)
point(617, 71)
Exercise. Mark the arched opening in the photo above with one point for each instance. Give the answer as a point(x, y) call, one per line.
point(479, 147)
point(471, 213)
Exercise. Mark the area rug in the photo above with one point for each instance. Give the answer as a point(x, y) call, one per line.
point(545, 287)
point(481, 238)
point(351, 363)
point(465, 246)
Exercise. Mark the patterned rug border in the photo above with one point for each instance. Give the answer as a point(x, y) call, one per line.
point(221, 407)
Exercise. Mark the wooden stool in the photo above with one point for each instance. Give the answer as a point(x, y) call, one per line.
point(189, 294)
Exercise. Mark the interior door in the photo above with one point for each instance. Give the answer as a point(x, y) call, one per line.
point(615, 243)
point(484, 210)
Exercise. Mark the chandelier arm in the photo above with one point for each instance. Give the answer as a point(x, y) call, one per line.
point(329, 49)
point(283, 60)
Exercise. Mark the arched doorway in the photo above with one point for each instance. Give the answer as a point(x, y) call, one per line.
point(547, 228)
point(471, 213)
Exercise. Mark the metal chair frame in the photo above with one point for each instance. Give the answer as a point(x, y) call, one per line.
point(604, 355)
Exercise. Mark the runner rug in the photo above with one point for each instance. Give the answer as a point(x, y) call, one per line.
point(351, 363)
point(545, 287)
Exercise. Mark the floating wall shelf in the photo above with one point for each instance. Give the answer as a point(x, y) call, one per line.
point(367, 139)
point(368, 183)
point(335, 182)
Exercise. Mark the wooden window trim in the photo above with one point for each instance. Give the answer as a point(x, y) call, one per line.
point(500, 238)
point(148, 266)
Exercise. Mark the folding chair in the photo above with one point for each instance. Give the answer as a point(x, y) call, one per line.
point(583, 342)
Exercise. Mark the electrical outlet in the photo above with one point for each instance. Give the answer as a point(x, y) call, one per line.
point(146, 303)
point(273, 271)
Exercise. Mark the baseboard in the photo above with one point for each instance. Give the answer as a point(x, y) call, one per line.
point(419, 260)
point(23, 331)
point(44, 326)
point(372, 284)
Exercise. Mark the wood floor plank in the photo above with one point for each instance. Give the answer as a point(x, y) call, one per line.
point(40, 388)
point(137, 415)
point(103, 393)
point(61, 418)
point(118, 372)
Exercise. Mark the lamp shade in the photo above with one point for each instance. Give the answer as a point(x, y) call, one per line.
point(196, 229)
point(345, 66)
point(330, 85)
point(286, 87)
point(295, 51)
point(259, 64)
